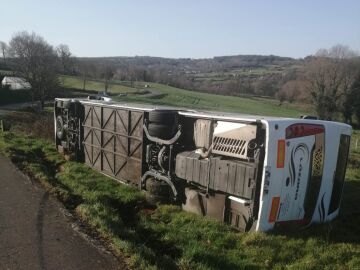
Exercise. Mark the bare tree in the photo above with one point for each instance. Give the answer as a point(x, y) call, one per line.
point(64, 55)
point(87, 69)
point(37, 62)
point(131, 72)
point(289, 91)
point(4, 49)
point(107, 74)
point(330, 76)
point(266, 87)
point(337, 52)
point(350, 70)
point(325, 80)
point(281, 95)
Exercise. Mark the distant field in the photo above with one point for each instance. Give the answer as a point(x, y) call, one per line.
point(190, 99)
point(6, 72)
point(77, 83)
point(245, 72)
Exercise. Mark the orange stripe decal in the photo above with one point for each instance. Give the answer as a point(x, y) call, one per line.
point(281, 154)
point(274, 209)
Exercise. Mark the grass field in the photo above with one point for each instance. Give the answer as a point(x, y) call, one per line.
point(172, 96)
point(77, 83)
point(244, 72)
point(168, 238)
point(6, 72)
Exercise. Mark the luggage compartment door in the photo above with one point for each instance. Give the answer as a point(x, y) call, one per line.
point(113, 141)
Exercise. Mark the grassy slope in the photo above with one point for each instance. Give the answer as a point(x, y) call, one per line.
point(77, 83)
point(169, 238)
point(182, 98)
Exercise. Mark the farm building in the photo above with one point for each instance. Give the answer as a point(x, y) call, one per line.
point(15, 83)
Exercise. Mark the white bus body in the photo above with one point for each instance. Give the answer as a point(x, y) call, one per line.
point(256, 173)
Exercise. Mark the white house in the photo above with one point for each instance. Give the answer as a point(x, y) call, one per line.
point(15, 83)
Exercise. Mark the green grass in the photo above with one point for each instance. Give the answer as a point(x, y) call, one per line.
point(173, 96)
point(168, 238)
point(198, 100)
point(77, 83)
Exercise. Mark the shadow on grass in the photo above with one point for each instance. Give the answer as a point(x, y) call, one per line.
point(345, 228)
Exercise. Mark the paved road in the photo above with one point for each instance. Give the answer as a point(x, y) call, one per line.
point(36, 234)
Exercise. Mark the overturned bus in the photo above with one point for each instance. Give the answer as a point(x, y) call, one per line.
point(255, 173)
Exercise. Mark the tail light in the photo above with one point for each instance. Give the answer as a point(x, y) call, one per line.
point(301, 130)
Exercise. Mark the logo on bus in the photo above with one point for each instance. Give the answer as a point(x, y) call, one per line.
point(302, 150)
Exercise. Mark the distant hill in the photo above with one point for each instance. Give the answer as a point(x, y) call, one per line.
point(231, 75)
point(203, 64)
point(238, 75)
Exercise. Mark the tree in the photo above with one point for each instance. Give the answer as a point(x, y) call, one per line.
point(290, 91)
point(107, 74)
point(350, 71)
point(87, 69)
point(337, 52)
point(4, 49)
point(281, 95)
point(64, 55)
point(330, 76)
point(37, 62)
point(324, 89)
point(131, 72)
point(266, 87)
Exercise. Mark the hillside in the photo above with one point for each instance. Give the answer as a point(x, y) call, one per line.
point(261, 75)
point(167, 95)
point(197, 65)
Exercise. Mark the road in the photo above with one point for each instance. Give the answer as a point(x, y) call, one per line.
point(36, 233)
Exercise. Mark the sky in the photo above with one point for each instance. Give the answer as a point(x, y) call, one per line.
point(186, 29)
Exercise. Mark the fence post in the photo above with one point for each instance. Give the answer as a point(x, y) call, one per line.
point(1, 126)
point(356, 144)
